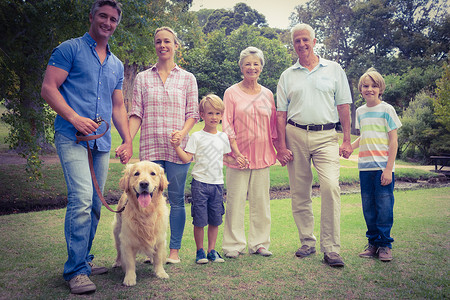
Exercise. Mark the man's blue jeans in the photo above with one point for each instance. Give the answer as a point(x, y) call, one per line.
point(176, 175)
point(84, 205)
point(378, 207)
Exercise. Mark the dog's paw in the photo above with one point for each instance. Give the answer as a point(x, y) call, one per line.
point(129, 280)
point(162, 274)
point(117, 264)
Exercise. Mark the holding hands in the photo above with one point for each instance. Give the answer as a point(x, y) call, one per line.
point(175, 138)
point(124, 152)
point(345, 149)
point(284, 156)
point(242, 161)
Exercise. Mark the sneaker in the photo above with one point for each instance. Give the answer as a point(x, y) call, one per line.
point(333, 259)
point(201, 257)
point(232, 254)
point(97, 270)
point(81, 284)
point(305, 251)
point(385, 254)
point(263, 252)
point(213, 256)
point(172, 260)
point(369, 252)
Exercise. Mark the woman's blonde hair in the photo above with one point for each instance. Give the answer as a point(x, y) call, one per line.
point(175, 38)
point(373, 74)
point(214, 101)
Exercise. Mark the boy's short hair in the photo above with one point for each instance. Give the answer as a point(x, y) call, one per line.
point(373, 74)
point(214, 101)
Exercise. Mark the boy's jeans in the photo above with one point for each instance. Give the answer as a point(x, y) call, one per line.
point(84, 206)
point(378, 207)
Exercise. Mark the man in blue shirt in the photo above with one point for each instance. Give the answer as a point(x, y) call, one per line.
point(312, 96)
point(83, 81)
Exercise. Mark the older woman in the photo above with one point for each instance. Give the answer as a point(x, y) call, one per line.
point(250, 122)
point(165, 104)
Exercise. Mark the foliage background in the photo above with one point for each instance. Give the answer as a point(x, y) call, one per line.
point(408, 41)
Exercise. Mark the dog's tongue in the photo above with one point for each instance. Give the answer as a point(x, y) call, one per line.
point(144, 199)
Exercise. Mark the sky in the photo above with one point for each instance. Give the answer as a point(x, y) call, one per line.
point(277, 12)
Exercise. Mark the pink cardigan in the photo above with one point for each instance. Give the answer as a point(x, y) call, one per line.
point(251, 120)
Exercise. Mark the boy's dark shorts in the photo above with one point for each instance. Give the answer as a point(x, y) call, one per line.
point(207, 203)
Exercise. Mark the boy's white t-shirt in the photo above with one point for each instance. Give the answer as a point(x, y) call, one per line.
point(208, 150)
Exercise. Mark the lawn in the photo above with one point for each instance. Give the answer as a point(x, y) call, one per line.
point(33, 251)
point(32, 254)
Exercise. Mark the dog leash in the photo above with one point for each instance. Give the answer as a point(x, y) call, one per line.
point(84, 138)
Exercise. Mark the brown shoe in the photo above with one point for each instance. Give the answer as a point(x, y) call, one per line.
point(333, 259)
point(369, 252)
point(97, 270)
point(385, 254)
point(305, 251)
point(81, 284)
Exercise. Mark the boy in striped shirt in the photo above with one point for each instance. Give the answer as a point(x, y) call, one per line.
point(378, 123)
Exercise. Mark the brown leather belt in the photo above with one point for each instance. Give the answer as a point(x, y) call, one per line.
point(328, 126)
point(84, 138)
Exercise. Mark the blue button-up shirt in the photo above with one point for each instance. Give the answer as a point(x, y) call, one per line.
point(89, 85)
point(311, 97)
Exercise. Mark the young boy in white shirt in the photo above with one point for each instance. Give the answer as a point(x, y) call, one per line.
point(209, 147)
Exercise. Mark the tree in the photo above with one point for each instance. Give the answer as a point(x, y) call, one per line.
point(393, 36)
point(30, 29)
point(441, 104)
point(232, 19)
point(400, 89)
point(442, 100)
point(133, 40)
point(215, 65)
point(418, 128)
point(203, 15)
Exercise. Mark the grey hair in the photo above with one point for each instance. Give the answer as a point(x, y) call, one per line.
point(300, 27)
point(251, 51)
point(113, 3)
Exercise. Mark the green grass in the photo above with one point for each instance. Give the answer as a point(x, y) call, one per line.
point(32, 254)
point(17, 192)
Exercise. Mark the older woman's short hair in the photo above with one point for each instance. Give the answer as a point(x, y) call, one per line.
point(113, 3)
point(214, 101)
point(251, 51)
point(373, 74)
point(300, 27)
point(177, 41)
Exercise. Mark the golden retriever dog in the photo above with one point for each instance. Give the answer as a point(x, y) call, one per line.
point(142, 226)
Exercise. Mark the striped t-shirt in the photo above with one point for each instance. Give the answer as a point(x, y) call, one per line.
point(374, 124)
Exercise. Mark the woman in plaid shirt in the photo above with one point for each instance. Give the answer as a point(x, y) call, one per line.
point(165, 104)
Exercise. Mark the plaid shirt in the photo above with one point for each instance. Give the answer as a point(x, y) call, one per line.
point(163, 108)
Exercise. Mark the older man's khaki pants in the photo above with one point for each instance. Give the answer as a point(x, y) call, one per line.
point(322, 148)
